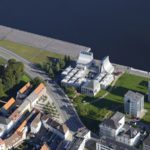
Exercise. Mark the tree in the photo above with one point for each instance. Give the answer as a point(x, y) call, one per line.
point(47, 67)
point(65, 58)
point(57, 68)
point(13, 73)
point(18, 70)
point(71, 91)
point(83, 111)
point(9, 78)
point(62, 63)
point(43, 66)
point(11, 61)
point(51, 73)
point(36, 81)
point(2, 69)
point(2, 93)
point(68, 58)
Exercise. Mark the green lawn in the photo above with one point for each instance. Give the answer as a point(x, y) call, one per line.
point(12, 92)
point(146, 118)
point(2, 61)
point(25, 78)
point(92, 114)
point(32, 54)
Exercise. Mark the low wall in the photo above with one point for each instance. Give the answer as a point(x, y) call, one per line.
point(132, 70)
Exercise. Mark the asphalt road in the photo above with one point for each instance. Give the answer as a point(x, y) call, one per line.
point(62, 102)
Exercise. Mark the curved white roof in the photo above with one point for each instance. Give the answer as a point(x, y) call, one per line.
point(85, 58)
point(106, 66)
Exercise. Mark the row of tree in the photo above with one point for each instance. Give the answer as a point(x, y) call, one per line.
point(52, 67)
point(10, 75)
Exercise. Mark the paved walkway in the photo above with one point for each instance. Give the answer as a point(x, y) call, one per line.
point(41, 42)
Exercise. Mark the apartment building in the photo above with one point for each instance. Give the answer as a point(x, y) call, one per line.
point(29, 102)
point(111, 127)
point(22, 93)
point(59, 129)
point(134, 103)
point(116, 128)
point(129, 135)
point(81, 137)
point(14, 119)
point(110, 144)
point(36, 124)
point(6, 108)
point(5, 125)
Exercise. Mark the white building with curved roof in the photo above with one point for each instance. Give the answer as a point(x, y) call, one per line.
point(85, 59)
point(88, 76)
point(106, 66)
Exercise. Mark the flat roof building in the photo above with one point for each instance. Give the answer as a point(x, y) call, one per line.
point(134, 103)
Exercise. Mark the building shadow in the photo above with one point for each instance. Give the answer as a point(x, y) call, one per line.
point(143, 83)
point(13, 91)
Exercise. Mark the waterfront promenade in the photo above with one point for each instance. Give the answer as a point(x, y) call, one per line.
point(41, 42)
point(56, 46)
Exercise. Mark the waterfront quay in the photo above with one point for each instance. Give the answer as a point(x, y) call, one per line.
point(41, 42)
point(56, 46)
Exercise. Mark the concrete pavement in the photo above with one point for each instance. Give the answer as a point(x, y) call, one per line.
point(41, 42)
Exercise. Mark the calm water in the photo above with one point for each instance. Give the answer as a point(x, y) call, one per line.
point(119, 28)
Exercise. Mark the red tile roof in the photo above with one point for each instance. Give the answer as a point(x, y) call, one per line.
point(45, 147)
point(15, 115)
point(21, 127)
point(9, 103)
point(1, 142)
point(25, 88)
point(40, 87)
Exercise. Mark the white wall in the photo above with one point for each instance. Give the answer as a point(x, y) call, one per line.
point(36, 130)
point(5, 128)
point(128, 141)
